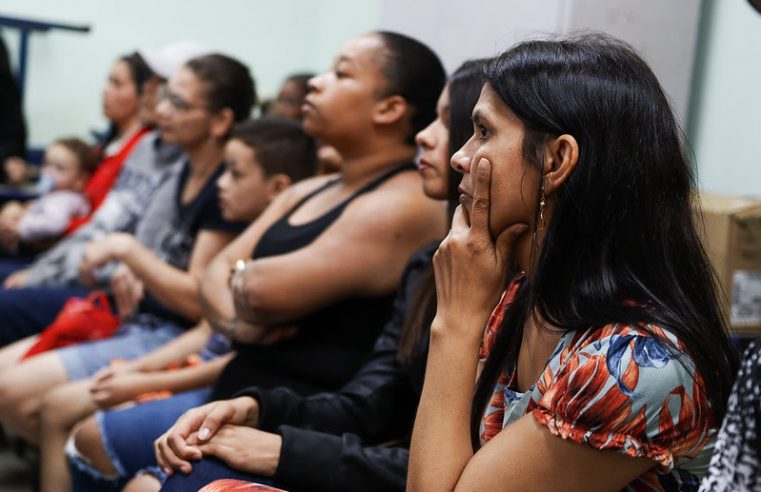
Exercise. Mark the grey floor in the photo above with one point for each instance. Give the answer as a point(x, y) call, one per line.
point(15, 473)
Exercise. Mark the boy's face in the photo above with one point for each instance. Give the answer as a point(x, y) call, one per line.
point(244, 190)
point(63, 165)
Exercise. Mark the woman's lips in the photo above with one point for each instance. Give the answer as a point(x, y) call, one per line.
point(465, 198)
point(307, 106)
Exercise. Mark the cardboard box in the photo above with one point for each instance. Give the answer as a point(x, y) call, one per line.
point(733, 240)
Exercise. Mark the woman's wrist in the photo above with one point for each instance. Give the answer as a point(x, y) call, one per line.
point(123, 245)
point(271, 458)
point(250, 406)
point(238, 267)
point(467, 331)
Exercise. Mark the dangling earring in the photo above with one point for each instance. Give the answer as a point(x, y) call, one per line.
point(541, 208)
point(540, 226)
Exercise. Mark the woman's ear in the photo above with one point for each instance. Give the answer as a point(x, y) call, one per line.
point(390, 110)
point(560, 158)
point(221, 122)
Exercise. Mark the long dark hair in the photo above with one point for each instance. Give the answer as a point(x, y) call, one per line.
point(623, 227)
point(464, 86)
point(140, 73)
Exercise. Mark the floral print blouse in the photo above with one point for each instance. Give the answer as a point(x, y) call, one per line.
point(613, 388)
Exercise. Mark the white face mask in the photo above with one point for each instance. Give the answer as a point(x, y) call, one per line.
point(45, 184)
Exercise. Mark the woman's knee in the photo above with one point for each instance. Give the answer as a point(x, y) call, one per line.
point(56, 409)
point(143, 483)
point(23, 386)
point(14, 395)
point(88, 443)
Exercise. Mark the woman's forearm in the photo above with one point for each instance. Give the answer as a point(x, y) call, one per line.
point(189, 378)
point(441, 445)
point(216, 294)
point(174, 288)
point(176, 350)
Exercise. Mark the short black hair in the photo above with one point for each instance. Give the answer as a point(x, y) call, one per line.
point(412, 70)
point(281, 146)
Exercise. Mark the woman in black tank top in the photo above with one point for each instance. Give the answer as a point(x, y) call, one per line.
point(328, 254)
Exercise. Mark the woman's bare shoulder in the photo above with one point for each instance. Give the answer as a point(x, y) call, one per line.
point(299, 190)
point(398, 201)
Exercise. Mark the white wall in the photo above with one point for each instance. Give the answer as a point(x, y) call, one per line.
point(276, 37)
point(66, 70)
point(725, 122)
point(665, 32)
point(459, 30)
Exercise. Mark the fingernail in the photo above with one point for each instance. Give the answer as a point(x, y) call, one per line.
point(203, 434)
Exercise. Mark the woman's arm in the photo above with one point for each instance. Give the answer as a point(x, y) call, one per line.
point(126, 386)
point(176, 350)
point(470, 269)
point(363, 253)
point(216, 294)
point(176, 289)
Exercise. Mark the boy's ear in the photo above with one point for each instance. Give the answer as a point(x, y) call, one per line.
point(276, 184)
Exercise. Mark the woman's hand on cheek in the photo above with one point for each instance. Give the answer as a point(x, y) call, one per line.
point(471, 267)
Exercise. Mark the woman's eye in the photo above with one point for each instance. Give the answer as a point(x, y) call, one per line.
point(340, 74)
point(482, 131)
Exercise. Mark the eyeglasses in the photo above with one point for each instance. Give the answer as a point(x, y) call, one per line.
point(180, 104)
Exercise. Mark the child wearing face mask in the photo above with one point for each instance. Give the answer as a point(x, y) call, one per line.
point(68, 164)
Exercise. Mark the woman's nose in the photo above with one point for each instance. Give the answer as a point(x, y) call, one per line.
point(313, 84)
point(423, 138)
point(460, 161)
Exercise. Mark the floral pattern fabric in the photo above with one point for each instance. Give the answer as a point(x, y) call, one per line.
point(616, 387)
point(230, 485)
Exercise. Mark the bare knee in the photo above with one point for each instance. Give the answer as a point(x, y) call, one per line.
point(54, 414)
point(143, 483)
point(89, 444)
point(14, 399)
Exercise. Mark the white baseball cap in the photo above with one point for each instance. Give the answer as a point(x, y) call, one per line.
point(165, 61)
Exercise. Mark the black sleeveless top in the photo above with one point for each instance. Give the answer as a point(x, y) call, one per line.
point(333, 341)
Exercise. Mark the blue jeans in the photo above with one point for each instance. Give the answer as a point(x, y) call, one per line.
point(206, 471)
point(134, 339)
point(128, 436)
point(26, 312)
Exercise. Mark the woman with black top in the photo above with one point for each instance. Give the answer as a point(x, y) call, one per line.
point(329, 252)
point(328, 441)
